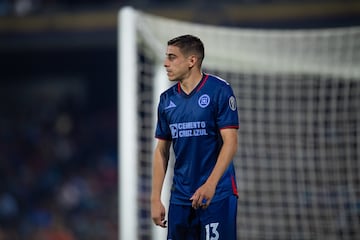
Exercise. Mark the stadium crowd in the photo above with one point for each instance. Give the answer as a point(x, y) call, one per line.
point(58, 175)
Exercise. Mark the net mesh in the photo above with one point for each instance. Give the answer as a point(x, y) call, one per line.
point(298, 92)
point(298, 161)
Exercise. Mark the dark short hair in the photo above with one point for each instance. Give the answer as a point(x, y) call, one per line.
point(189, 44)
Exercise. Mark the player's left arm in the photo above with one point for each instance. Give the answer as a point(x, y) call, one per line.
point(203, 195)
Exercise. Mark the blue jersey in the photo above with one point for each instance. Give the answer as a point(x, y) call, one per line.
point(193, 123)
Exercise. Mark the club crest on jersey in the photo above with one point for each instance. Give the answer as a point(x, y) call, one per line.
point(204, 100)
point(232, 103)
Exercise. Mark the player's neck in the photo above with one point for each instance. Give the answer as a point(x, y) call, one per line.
point(190, 83)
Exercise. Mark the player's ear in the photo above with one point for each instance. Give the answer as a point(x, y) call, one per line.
point(192, 60)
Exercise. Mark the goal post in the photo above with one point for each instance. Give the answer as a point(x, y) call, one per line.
point(128, 137)
point(128, 119)
point(298, 92)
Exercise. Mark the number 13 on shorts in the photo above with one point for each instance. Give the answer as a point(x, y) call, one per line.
point(211, 231)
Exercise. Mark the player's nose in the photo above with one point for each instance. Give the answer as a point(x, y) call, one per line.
point(166, 62)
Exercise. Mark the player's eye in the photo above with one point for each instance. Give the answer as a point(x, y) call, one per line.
point(171, 57)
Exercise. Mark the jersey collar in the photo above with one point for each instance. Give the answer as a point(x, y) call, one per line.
point(197, 88)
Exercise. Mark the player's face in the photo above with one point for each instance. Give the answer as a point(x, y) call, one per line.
point(176, 64)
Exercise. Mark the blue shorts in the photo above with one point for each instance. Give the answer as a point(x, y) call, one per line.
point(216, 222)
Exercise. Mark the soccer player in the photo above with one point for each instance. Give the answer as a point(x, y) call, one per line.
point(198, 116)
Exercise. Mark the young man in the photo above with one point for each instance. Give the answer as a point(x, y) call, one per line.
point(198, 115)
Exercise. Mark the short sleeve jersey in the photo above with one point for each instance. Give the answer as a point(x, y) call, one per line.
point(193, 123)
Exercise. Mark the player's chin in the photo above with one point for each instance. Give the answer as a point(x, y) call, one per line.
point(171, 76)
point(172, 79)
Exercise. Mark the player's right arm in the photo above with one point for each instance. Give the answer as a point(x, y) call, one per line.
point(160, 163)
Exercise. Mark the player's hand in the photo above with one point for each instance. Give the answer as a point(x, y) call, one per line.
point(202, 197)
point(158, 213)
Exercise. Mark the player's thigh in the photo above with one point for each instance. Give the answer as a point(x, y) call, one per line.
point(219, 220)
point(183, 223)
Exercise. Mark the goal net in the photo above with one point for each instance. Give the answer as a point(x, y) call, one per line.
point(298, 94)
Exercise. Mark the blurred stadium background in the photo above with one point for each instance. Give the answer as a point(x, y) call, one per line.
point(58, 102)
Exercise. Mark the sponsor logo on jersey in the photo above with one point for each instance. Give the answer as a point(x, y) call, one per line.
point(188, 129)
point(204, 100)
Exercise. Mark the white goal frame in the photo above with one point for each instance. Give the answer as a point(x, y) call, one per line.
point(133, 23)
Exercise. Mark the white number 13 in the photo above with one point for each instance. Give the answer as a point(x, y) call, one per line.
point(211, 231)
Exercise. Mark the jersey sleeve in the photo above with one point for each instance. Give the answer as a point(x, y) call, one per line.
point(162, 130)
point(227, 114)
